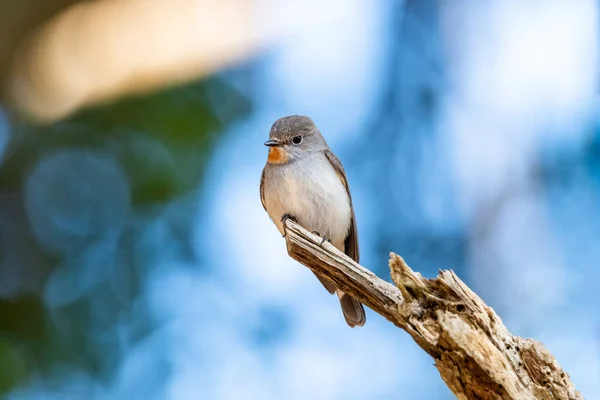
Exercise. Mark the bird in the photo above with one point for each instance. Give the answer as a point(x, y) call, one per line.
point(304, 181)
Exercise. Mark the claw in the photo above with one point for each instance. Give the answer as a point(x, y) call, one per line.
point(284, 218)
point(323, 240)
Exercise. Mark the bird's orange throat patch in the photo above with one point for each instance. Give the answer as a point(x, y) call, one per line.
point(277, 155)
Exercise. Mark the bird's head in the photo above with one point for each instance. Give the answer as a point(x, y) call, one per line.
point(293, 137)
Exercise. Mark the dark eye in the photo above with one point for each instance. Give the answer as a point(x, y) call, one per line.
point(297, 139)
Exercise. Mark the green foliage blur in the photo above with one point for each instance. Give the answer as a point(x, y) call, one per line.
point(163, 141)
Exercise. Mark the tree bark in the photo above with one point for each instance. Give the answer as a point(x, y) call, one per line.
point(476, 355)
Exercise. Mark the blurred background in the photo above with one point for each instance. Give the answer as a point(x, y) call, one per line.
point(136, 260)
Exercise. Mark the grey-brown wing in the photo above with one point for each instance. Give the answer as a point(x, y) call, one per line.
point(262, 189)
point(351, 242)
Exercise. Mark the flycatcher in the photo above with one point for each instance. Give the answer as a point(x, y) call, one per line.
point(304, 181)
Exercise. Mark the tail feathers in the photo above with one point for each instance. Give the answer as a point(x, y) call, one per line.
point(353, 310)
point(328, 285)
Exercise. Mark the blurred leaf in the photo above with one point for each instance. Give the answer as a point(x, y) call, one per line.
point(14, 368)
point(163, 139)
point(163, 142)
point(23, 318)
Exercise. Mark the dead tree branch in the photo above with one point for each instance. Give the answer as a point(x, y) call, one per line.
point(476, 355)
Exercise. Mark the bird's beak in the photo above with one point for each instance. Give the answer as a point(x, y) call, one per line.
point(272, 143)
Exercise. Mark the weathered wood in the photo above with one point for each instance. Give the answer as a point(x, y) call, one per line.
point(476, 355)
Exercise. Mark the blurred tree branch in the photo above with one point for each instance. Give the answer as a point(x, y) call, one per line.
point(18, 18)
point(476, 355)
point(70, 54)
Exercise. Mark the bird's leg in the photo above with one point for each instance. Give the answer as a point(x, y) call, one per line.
point(284, 218)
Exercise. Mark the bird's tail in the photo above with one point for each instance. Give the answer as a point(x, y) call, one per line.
point(353, 310)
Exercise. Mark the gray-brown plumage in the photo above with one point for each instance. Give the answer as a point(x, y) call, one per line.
point(305, 180)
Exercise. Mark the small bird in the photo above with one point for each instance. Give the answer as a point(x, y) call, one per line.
point(304, 181)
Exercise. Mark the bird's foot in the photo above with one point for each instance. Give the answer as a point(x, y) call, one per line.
point(284, 219)
point(323, 238)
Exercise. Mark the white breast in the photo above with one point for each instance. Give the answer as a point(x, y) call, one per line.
point(311, 191)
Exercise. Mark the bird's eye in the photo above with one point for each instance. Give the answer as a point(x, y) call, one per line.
point(297, 139)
